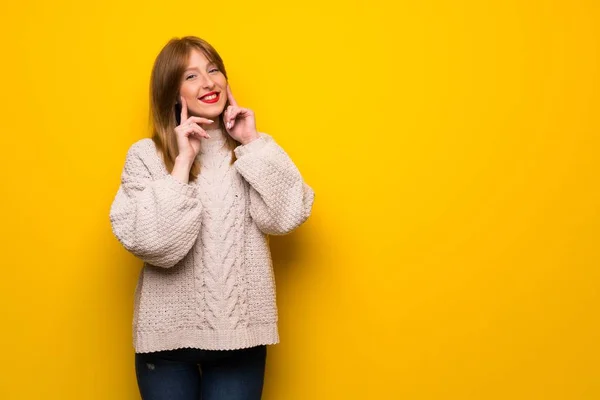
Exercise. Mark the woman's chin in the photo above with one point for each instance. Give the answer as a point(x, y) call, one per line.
point(213, 114)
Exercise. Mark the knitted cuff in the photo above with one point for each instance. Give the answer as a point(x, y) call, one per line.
point(251, 147)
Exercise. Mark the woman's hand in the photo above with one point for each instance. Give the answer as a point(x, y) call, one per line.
point(189, 133)
point(239, 122)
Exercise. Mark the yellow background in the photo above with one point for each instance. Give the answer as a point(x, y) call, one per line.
point(453, 145)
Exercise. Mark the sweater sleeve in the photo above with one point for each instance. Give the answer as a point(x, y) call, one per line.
point(157, 220)
point(280, 200)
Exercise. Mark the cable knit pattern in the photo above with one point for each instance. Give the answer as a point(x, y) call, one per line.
point(207, 280)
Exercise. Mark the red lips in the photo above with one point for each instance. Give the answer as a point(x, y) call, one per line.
point(203, 98)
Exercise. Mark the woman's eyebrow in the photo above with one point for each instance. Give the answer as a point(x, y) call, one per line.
point(210, 64)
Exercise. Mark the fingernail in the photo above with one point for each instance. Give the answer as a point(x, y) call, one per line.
point(211, 121)
point(208, 135)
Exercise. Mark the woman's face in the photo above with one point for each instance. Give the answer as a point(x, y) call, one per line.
point(204, 87)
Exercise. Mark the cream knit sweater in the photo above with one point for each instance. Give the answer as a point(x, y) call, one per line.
point(207, 280)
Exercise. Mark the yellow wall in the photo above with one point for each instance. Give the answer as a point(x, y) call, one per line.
point(453, 249)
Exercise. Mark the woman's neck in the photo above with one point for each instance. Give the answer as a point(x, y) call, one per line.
point(217, 124)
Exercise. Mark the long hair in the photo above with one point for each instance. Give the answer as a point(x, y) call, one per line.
point(166, 79)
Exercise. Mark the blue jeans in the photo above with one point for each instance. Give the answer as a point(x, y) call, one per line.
point(194, 374)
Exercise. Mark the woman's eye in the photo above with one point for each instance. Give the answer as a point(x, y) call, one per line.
point(214, 70)
point(190, 77)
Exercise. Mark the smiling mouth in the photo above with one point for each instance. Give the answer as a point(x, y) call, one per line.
point(210, 98)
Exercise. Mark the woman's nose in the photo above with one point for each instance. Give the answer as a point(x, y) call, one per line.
point(208, 83)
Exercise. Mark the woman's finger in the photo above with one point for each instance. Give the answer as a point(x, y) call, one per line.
point(230, 97)
point(199, 131)
point(233, 115)
point(226, 116)
point(199, 120)
point(193, 129)
point(228, 112)
point(184, 111)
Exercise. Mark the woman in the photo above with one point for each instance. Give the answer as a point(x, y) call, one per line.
point(196, 203)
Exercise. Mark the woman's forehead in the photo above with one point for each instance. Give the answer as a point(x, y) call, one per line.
point(198, 59)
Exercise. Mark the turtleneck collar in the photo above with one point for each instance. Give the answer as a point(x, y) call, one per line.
point(218, 138)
